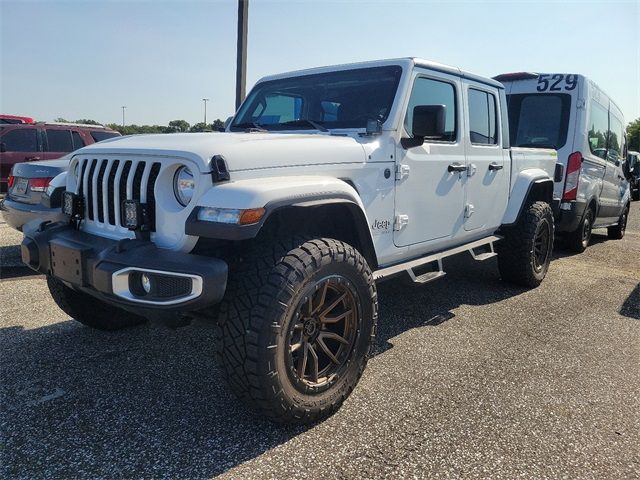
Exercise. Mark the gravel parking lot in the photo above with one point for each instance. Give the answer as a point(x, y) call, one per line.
point(471, 378)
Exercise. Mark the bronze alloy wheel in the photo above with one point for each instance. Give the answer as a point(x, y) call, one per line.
point(542, 245)
point(322, 334)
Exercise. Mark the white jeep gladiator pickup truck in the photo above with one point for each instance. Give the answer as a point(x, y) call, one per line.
point(325, 181)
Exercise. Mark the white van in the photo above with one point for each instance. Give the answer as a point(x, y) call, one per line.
point(572, 114)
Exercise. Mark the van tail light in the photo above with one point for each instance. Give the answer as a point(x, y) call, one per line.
point(39, 184)
point(574, 165)
point(10, 181)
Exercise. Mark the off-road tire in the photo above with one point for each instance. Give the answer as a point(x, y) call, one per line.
point(635, 195)
point(89, 310)
point(264, 292)
point(517, 260)
point(617, 231)
point(578, 240)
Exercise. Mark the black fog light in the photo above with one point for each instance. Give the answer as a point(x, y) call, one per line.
point(72, 204)
point(133, 214)
point(158, 286)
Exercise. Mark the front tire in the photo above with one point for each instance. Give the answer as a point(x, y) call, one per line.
point(525, 252)
point(296, 327)
point(617, 231)
point(90, 311)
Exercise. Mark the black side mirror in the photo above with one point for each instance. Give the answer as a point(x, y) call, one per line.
point(3, 147)
point(428, 122)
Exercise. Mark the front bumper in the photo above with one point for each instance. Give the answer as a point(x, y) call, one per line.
point(18, 214)
point(112, 270)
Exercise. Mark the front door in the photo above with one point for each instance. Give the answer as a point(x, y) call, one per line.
point(430, 197)
point(487, 181)
point(20, 144)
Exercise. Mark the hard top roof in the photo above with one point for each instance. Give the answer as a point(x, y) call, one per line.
point(407, 62)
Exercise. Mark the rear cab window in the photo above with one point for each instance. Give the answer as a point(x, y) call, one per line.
point(539, 120)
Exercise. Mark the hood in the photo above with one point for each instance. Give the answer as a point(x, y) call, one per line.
point(242, 151)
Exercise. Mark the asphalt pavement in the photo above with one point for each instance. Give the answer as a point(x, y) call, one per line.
point(471, 378)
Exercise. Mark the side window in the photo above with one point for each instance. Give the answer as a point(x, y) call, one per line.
point(278, 109)
point(614, 144)
point(434, 92)
point(99, 136)
point(21, 140)
point(78, 142)
point(59, 140)
point(598, 128)
point(482, 118)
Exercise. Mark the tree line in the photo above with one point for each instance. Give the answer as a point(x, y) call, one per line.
point(174, 126)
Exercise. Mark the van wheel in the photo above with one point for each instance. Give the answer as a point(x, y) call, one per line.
point(296, 326)
point(89, 310)
point(617, 232)
point(525, 252)
point(578, 241)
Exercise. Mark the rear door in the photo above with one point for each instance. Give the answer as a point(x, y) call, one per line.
point(597, 134)
point(614, 161)
point(487, 179)
point(429, 197)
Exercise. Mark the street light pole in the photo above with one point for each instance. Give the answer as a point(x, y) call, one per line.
point(205, 100)
point(123, 107)
point(241, 62)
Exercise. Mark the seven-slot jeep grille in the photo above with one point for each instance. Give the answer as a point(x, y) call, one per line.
point(106, 183)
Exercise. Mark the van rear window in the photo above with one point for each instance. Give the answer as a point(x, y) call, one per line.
point(539, 120)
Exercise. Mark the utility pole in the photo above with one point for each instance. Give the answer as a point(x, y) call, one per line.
point(205, 100)
point(123, 107)
point(241, 65)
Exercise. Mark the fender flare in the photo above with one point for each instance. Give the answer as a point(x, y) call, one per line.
point(529, 183)
point(274, 195)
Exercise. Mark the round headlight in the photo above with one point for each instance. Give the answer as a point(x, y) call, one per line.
point(183, 185)
point(76, 167)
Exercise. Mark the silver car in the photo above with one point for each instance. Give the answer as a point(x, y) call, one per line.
point(31, 194)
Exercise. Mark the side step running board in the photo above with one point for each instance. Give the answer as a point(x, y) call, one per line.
point(408, 267)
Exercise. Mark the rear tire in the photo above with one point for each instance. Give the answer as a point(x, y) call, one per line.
point(89, 310)
point(280, 347)
point(617, 232)
point(635, 195)
point(525, 252)
point(578, 241)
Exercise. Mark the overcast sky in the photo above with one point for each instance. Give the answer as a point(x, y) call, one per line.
point(85, 59)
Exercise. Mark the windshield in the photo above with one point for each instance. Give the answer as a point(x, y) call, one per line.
point(539, 119)
point(343, 99)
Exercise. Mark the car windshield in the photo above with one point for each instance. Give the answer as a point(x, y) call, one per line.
point(342, 99)
point(539, 119)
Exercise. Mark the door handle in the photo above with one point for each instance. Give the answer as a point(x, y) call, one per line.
point(495, 166)
point(457, 167)
point(29, 159)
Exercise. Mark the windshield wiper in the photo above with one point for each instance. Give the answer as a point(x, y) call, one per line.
point(305, 121)
point(250, 127)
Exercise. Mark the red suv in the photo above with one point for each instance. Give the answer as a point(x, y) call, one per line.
point(43, 141)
